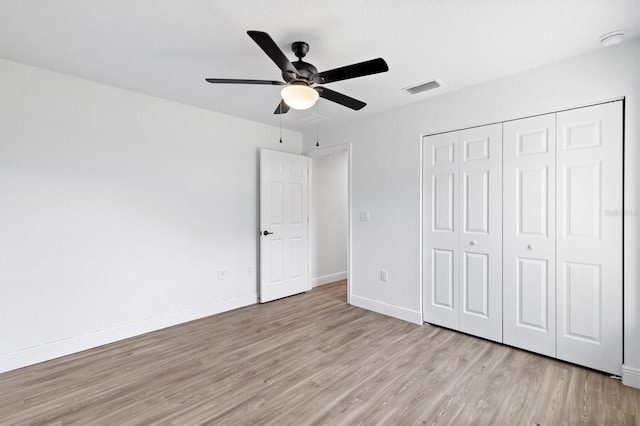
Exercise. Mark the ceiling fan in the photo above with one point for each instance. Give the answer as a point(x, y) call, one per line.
point(302, 80)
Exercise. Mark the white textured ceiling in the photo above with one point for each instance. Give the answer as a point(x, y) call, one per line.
point(166, 48)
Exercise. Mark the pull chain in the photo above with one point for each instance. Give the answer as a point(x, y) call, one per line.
point(317, 119)
point(280, 117)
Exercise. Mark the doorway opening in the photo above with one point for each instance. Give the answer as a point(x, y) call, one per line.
point(330, 207)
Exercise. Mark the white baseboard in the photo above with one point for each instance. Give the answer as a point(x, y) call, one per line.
point(326, 279)
point(386, 309)
point(631, 376)
point(61, 348)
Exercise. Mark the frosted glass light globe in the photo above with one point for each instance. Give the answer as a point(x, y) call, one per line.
point(299, 96)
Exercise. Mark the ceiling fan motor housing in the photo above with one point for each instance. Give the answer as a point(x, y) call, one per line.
point(305, 69)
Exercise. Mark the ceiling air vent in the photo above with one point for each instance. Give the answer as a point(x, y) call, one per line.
point(422, 87)
point(313, 118)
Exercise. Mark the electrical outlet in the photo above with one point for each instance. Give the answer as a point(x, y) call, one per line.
point(250, 270)
point(384, 275)
point(364, 215)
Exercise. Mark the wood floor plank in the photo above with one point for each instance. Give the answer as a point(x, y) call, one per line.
point(310, 359)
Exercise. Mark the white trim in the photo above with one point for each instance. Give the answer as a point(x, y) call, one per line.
point(387, 309)
point(631, 376)
point(322, 152)
point(421, 228)
point(23, 358)
point(349, 225)
point(310, 234)
point(330, 278)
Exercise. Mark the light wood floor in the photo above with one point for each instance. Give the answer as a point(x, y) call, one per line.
point(310, 359)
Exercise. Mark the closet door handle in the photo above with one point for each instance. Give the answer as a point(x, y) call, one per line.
point(265, 233)
point(473, 242)
point(531, 246)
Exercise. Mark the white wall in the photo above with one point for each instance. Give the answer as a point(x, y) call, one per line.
point(117, 210)
point(386, 173)
point(329, 217)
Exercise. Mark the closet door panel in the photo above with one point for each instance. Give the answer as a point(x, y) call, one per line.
point(440, 229)
point(589, 240)
point(481, 231)
point(529, 293)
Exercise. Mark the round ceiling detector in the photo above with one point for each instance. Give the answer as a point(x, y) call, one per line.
point(612, 38)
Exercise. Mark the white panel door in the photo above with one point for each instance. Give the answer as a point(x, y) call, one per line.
point(480, 235)
point(529, 291)
point(440, 229)
point(284, 234)
point(589, 236)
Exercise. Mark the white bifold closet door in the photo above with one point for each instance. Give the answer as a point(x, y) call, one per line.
point(440, 230)
point(463, 230)
point(529, 281)
point(589, 236)
point(562, 267)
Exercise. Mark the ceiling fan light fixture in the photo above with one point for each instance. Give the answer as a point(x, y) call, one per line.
point(299, 91)
point(299, 96)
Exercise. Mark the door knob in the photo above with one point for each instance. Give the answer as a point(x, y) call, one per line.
point(265, 233)
point(473, 242)
point(531, 246)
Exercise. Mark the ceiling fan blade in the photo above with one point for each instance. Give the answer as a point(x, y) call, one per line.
point(238, 81)
point(339, 98)
point(282, 108)
point(360, 69)
point(272, 50)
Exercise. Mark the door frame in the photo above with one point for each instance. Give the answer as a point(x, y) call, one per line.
point(322, 153)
